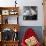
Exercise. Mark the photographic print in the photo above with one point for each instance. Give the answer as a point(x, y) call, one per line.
point(30, 13)
point(9, 20)
point(5, 12)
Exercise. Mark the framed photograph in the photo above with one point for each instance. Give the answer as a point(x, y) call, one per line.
point(12, 12)
point(5, 12)
point(30, 13)
point(9, 34)
point(12, 20)
point(5, 20)
point(6, 34)
point(9, 20)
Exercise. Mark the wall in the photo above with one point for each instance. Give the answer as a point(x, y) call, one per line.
point(22, 3)
point(7, 3)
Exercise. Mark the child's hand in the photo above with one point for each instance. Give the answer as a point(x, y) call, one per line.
point(31, 41)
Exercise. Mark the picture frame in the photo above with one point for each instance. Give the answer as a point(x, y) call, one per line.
point(5, 12)
point(30, 13)
point(12, 20)
point(6, 34)
point(9, 34)
point(13, 12)
point(9, 19)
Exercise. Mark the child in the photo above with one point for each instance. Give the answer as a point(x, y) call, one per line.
point(30, 39)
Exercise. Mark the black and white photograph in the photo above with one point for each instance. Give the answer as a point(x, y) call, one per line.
point(30, 13)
